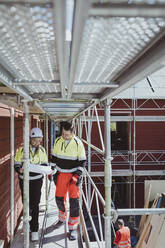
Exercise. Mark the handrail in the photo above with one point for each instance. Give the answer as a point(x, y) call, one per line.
point(88, 203)
point(94, 186)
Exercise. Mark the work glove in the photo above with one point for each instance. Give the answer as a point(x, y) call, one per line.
point(50, 176)
point(76, 179)
point(53, 166)
point(18, 168)
point(55, 176)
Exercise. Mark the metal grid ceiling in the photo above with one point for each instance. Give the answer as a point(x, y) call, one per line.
point(27, 44)
point(110, 44)
point(32, 61)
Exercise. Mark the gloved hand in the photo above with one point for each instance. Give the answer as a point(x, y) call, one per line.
point(55, 176)
point(18, 168)
point(53, 166)
point(76, 179)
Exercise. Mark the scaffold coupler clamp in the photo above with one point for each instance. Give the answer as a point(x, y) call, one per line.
point(114, 215)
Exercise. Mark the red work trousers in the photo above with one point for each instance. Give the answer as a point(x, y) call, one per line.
point(63, 187)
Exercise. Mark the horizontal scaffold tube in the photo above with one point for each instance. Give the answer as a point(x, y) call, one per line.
point(139, 211)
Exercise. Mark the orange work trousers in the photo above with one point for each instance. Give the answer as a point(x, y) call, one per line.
point(63, 187)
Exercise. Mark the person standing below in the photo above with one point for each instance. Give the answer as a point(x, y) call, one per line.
point(38, 157)
point(122, 236)
point(69, 156)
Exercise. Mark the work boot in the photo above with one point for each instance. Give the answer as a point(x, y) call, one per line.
point(34, 236)
point(58, 224)
point(72, 234)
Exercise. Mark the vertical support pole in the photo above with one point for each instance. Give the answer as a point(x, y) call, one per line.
point(52, 134)
point(89, 153)
point(12, 176)
point(37, 123)
point(134, 152)
point(79, 128)
point(26, 177)
point(130, 161)
point(134, 155)
point(46, 147)
point(108, 173)
point(80, 135)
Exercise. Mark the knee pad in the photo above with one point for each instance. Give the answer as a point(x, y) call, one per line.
point(60, 203)
point(74, 207)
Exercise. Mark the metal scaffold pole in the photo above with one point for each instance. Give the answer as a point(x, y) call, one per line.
point(108, 173)
point(79, 128)
point(81, 215)
point(89, 153)
point(134, 151)
point(26, 178)
point(52, 134)
point(12, 176)
point(130, 165)
point(134, 155)
point(46, 147)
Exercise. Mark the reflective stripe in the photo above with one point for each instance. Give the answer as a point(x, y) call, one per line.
point(64, 157)
point(62, 216)
point(72, 227)
point(73, 223)
point(69, 170)
point(123, 242)
point(124, 246)
point(82, 158)
point(19, 163)
point(32, 178)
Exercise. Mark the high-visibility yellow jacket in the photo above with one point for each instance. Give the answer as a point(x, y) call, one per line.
point(38, 156)
point(68, 157)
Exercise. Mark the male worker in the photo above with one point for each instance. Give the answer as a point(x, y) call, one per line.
point(69, 156)
point(38, 157)
point(122, 236)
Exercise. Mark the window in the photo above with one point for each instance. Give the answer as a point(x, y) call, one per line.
point(119, 136)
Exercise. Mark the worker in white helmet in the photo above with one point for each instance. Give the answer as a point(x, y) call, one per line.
point(38, 158)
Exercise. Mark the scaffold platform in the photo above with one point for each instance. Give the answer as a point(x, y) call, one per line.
point(48, 236)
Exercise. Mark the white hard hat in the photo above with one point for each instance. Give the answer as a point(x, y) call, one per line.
point(36, 133)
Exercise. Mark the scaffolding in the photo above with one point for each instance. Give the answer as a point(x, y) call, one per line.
point(61, 59)
point(85, 126)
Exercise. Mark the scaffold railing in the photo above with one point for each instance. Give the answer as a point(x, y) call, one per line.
point(94, 232)
point(124, 157)
point(86, 212)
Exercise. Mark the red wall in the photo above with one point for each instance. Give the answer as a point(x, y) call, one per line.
point(149, 136)
point(5, 167)
point(5, 171)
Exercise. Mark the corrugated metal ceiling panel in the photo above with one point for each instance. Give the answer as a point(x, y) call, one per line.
point(110, 44)
point(38, 63)
point(27, 43)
